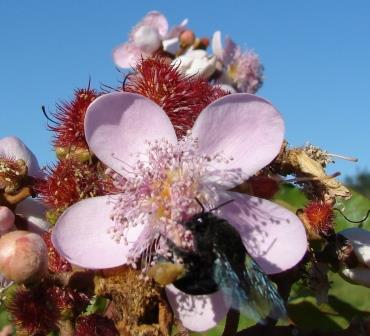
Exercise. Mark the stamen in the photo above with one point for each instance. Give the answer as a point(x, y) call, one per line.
point(162, 190)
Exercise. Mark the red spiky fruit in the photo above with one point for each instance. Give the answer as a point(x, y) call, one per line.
point(320, 216)
point(70, 181)
point(96, 325)
point(69, 302)
point(69, 119)
point(56, 263)
point(33, 311)
point(181, 97)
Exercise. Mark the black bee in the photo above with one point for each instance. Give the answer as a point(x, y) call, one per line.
point(220, 261)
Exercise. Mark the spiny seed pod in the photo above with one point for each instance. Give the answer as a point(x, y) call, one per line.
point(318, 219)
point(69, 302)
point(70, 181)
point(69, 119)
point(181, 97)
point(56, 262)
point(33, 311)
point(23, 256)
point(95, 324)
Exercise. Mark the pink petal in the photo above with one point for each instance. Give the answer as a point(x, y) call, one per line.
point(217, 45)
point(273, 236)
point(357, 275)
point(117, 126)
point(155, 20)
point(126, 55)
point(197, 312)
point(229, 51)
point(177, 30)
point(13, 147)
point(34, 212)
point(360, 240)
point(81, 235)
point(242, 126)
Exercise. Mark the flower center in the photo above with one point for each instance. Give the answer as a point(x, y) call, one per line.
point(161, 191)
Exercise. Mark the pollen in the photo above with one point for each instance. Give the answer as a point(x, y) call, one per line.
point(162, 189)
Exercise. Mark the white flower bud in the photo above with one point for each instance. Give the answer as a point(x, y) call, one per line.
point(196, 63)
point(360, 240)
point(23, 256)
point(147, 39)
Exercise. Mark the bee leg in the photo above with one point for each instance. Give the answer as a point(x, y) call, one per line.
point(178, 251)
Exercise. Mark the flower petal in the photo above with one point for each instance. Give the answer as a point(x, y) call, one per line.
point(117, 126)
point(229, 51)
point(177, 30)
point(81, 235)
point(242, 126)
point(217, 48)
point(126, 55)
point(13, 147)
point(357, 275)
point(360, 240)
point(34, 212)
point(197, 312)
point(153, 19)
point(272, 235)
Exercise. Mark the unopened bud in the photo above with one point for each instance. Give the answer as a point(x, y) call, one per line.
point(7, 218)
point(187, 38)
point(23, 256)
point(147, 39)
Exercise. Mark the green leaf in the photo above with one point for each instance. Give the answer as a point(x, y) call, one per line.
point(355, 209)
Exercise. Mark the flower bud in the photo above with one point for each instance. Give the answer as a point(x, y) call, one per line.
point(23, 256)
point(147, 39)
point(7, 218)
point(187, 38)
point(360, 241)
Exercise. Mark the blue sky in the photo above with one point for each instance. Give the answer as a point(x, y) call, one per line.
point(316, 56)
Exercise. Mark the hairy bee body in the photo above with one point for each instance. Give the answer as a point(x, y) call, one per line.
point(219, 261)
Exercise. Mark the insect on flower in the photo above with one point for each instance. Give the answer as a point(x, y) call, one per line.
point(220, 261)
point(159, 178)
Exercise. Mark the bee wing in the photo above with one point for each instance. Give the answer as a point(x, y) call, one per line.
point(252, 293)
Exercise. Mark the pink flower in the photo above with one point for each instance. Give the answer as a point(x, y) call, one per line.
point(160, 177)
point(241, 70)
point(146, 38)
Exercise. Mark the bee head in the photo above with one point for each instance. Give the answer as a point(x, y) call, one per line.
point(198, 223)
